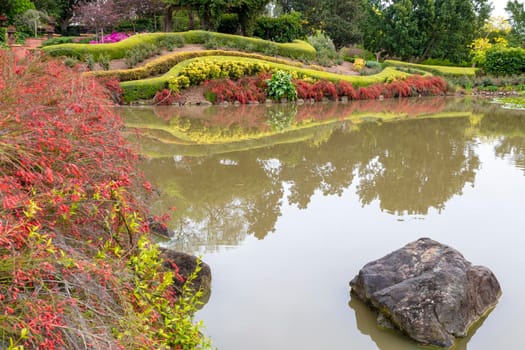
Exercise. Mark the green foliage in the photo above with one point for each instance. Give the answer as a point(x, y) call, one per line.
point(505, 61)
point(104, 61)
point(296, 49)
point(142, 89)
point(516, 11)
point(179, 330)
point(423, 29)
point(444, 62)
point(179, 83)
point(283, 29)
point(325, 48)
point(281, 86)
point(16, 8)
point(438, 70)
point(339, 19)
point(3, 36)
point(201, 70)
point(228, 23)
point(67, 39)
point(372, 64)
point(90, 61)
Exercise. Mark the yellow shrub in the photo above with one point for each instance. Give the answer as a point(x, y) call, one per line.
point(359, 64)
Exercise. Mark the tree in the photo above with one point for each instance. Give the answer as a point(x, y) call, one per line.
point(210, 10)
point(135, 9)
point(97, 15)
point(14, 8)
point(516, 13)
point(419, 29)
point(340, 20)
point(60, 10)
point(34, 19)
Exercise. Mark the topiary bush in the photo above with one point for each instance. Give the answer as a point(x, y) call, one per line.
point(296, 49)
point(283, 29)
point(507, 61)
point(228, 23)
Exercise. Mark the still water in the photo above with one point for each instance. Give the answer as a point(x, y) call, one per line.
point(289, 213)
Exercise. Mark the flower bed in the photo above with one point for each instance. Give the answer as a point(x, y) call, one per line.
point(114, 37)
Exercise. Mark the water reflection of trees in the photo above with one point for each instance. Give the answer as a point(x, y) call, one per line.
point(509, 128)
point(408, 167)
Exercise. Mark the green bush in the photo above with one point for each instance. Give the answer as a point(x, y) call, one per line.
point(283, 29)
point(90, 61)
point(66, 40)
point(373, 64)
point(437, 70)
point(281, 86)
point(142, 89)
point(199, 71)
point(325, 49)
point(104, 61)
point(505, 61)
point(228, 23)
point(3, 36)
point(444, 62)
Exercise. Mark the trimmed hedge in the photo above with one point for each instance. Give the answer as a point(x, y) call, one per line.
point(437, 70)
point(163, 64)
point(282, 29)
point(509, 61)
point(146, 88)
point(297, 49)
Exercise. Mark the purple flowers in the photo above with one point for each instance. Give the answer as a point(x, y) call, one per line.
point(112, 38)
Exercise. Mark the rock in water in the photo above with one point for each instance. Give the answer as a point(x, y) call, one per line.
point(428, 291)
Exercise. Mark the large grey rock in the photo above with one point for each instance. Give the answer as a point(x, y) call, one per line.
point(428, 291)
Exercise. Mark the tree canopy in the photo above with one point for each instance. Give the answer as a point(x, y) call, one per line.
point(516, 13)
point(419, 29)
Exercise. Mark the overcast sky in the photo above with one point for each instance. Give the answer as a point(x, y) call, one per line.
point(499, 7)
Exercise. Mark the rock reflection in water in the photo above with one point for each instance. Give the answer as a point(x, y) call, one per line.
point(389, 339)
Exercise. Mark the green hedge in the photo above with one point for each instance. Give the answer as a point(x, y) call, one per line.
point(3, 35)
point(437, 70)
point(146, 88)
point(283, 29)
point(509, 61)
point(297, 49)
point(163, 64)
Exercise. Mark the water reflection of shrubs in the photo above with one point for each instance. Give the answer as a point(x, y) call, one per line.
point(215, 194)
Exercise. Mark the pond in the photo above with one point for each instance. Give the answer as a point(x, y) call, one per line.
point(289, 213)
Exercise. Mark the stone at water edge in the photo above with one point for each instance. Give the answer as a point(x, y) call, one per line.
point(186, 264)
point(428, 291)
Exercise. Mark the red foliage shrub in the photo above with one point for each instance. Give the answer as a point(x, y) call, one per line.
point(371, 92)
point(164, 97)
point(65, 176)
point(244, 90)
point(346, 89)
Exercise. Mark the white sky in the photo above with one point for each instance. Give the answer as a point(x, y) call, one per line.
point(499, 7)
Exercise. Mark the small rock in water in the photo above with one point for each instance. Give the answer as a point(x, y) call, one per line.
point(428, 291)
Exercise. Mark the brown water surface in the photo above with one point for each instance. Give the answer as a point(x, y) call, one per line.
point(287, 204)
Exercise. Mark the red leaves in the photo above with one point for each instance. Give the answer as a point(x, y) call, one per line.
point(64, 174)
point(164, 98)
point(244, 90)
